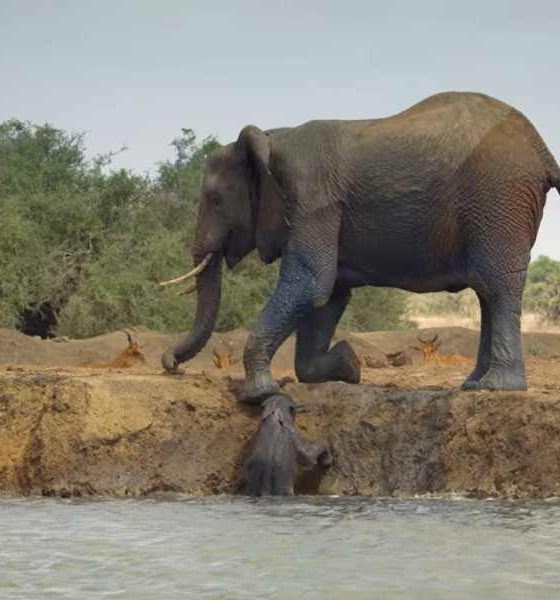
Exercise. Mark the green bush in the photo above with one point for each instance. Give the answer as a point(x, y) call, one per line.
point(463, 303)
point(372, 309)
point(542, 292)
point(92, 244)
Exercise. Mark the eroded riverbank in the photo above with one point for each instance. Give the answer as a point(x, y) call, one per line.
point(76, 432)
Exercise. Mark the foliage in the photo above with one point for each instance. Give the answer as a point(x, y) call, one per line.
point(542, 269)
point(464, 303)
point(372, 309)
point(39, 159)
point(91, 243)
point(542, 293)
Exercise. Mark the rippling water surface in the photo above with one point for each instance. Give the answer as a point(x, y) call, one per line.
point(298, 548)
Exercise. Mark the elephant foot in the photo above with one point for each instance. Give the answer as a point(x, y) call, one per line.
point(340, 363)
point(259, 388)
point(476, 375)
point(498, 379)
point(349, 368)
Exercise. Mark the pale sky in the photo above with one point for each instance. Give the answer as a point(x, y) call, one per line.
point(134, 72)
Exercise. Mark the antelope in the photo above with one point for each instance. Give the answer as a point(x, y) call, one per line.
point(430, 351)
point(222, 355)
point(129, 357)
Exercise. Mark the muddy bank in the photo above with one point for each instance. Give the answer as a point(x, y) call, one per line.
point(74, 432)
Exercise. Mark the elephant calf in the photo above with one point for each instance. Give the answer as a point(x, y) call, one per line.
point(277, 449)
point(443, 196)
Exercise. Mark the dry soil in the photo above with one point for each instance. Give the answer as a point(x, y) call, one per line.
point(69, 430)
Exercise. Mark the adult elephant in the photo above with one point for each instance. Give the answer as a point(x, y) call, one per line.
point(446, 195)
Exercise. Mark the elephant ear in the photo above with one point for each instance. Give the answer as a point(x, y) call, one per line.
point(271, 231)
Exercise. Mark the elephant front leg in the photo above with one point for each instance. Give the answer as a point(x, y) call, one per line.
point(297, 293)
point(314, 362)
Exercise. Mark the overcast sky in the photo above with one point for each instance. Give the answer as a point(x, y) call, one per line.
point(134, 72)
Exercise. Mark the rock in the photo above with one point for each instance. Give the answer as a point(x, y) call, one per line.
point(369, 355)
point(402, 358)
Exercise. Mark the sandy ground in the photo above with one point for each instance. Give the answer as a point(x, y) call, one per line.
point(66, 429)
point(530, 322)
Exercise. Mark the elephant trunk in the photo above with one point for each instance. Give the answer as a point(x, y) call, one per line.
point(209, 286)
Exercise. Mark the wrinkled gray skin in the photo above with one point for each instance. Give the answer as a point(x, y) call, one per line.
point(277, 449)
point(446, 195)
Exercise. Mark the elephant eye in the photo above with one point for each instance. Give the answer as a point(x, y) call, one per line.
point(216, 199)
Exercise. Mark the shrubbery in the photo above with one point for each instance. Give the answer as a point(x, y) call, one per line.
point(541, 296)
point(86, 246)
point(542, 293)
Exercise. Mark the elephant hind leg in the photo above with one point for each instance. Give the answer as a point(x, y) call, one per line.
point(504, 365)
point(484, 357)
point(315, 363)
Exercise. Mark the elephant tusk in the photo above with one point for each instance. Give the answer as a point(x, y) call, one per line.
point(196, 271)
point(188, 291)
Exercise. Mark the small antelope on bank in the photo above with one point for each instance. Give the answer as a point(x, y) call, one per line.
point(431, 355)
point(129, 357)
point(223, 354)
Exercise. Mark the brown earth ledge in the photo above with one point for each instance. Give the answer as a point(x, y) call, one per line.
point(78, 433)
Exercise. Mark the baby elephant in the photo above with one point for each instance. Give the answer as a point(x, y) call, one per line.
point(277, 449)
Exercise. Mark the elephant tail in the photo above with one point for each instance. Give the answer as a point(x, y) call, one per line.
point(556, 181)
point(555, 175)
point(553, 169)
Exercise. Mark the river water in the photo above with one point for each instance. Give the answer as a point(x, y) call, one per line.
point(226, 548)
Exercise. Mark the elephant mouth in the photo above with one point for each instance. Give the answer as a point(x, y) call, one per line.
point(232, 260)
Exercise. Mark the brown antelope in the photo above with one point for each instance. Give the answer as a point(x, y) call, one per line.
point(431, 355)
point(129, 357)
point(222, 355)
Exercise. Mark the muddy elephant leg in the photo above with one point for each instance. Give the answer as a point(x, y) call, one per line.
point(507, 368)
point(297, 293)
point(484, 345)
point(314, 362)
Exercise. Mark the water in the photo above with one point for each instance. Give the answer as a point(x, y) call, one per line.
point(322, 548)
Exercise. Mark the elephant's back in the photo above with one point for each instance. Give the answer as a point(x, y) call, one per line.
point(452, 100)
point(442, 133)
point(457, 123)
point(453, 109)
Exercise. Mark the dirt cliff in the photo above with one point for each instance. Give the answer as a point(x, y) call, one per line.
point(68, 430)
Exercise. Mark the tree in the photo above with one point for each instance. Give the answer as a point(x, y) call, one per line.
point(373, 309)
point(39, 158)
point(83, 246)
point(542, 293)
